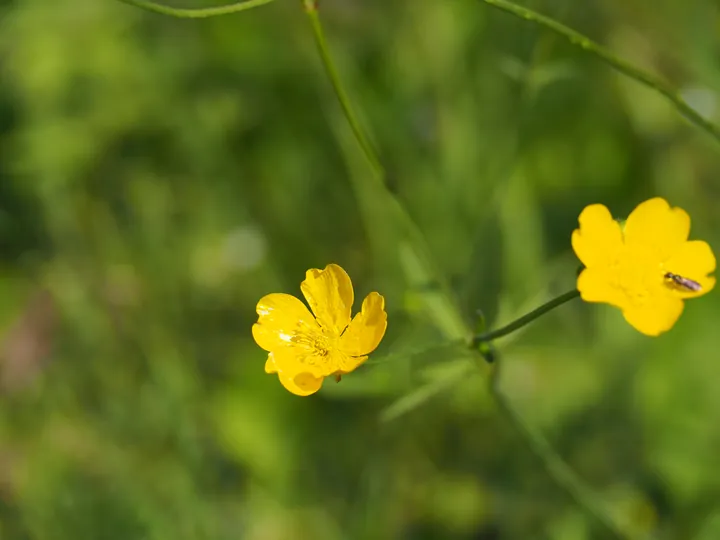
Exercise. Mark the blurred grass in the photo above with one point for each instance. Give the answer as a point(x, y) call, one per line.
point(158, 176)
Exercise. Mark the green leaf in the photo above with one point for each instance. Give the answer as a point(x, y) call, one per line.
point(452, 374)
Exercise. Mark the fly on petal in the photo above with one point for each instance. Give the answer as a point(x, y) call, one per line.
point(628, 266)
point(683, 282)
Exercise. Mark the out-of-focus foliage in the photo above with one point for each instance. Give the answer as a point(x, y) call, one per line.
point(158, 176)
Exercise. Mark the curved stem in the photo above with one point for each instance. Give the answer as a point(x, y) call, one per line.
point(332, 73)
point(647, 79)
point(368, 150)
point(525, 319)
point(556, 468)
point(196, 13)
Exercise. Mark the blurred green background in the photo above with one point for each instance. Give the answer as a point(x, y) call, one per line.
point(158, 176)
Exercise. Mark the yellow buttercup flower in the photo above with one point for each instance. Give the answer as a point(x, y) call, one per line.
point(647, 267)
point(304, 349)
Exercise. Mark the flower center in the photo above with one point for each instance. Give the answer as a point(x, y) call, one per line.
point(637, 274)
point(318, 349)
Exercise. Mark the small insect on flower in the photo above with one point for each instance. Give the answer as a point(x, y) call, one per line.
point(647, 266)
point(682, 282)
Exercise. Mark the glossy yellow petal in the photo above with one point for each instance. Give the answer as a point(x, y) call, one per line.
point(599, 238)
point(693, 260)
point(329, 293)
point(367, 327)
point(351, 363)
point(270, 364)
point(595, 285)
point(299, 370)
point(305, 358)
point(657, 226)
point(282, 319)
point(301, 384)
point(655, 317)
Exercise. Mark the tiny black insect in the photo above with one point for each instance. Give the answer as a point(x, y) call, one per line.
point(682, 282)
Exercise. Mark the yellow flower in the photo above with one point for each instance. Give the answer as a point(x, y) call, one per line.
point(304, 349)
point(646, 268)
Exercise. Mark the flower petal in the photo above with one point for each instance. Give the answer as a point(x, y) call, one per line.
point(656, 225)
point(595, 285)
point(693, 260)
point(270, 364)
point(599, 238)
point(367, 328)
point(301, 384)
point(655, 317)
point(297, 370)
point(351, 363)
point(282, 318)
point(304, 358)
point(329, 293)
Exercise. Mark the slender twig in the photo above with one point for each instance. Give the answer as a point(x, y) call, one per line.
point(557, 469)
point(525, 319)
point(333, 75)
point(371, 155)
point(196, 13)
point(626, 68)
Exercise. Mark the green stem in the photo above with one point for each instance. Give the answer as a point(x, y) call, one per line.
point(342, 96)
point(525, 319)
point(196, 13)
point(557, 469)
point(415, 234)
point(576, 38)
